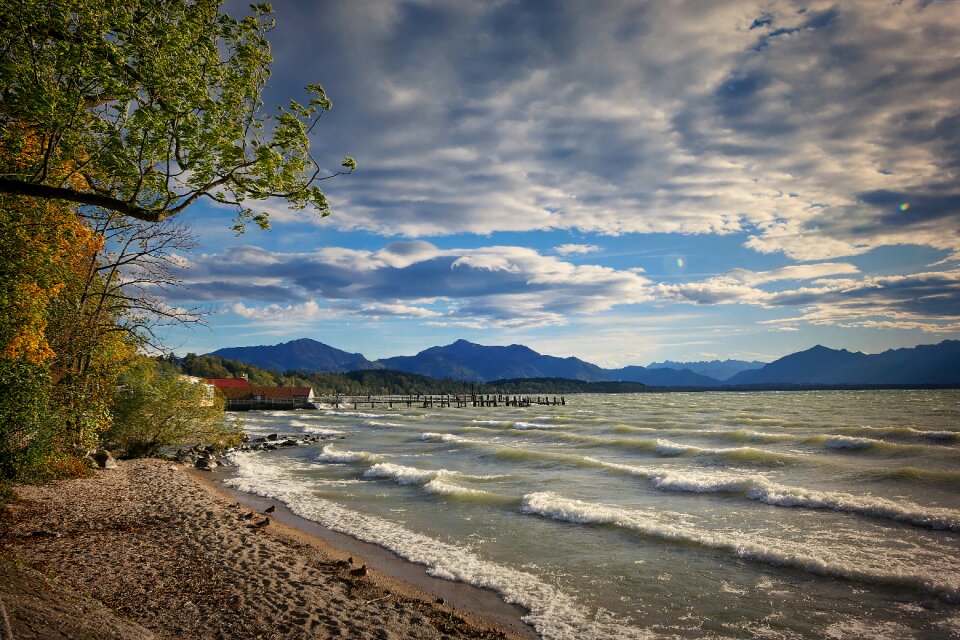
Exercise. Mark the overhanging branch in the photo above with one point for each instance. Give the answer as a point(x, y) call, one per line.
point(48, 192)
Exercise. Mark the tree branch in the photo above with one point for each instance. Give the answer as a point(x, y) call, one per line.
point(35, 190)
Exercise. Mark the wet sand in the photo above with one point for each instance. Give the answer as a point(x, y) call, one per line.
point(173, 553)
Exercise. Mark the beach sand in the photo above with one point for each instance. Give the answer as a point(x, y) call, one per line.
point(154, 549)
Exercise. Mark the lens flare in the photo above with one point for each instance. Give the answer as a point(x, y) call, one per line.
point(680, 263)
point(904, 206)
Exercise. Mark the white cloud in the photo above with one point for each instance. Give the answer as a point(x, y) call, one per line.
point(623, 117)
point(284, 314)
point(575, 249)
point(398, 310)
point(502, 286)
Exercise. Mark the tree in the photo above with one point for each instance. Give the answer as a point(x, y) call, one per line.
point(153, 104)
point(156, 407)
point(43, 247)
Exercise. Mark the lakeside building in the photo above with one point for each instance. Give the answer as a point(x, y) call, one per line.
point(243, 396)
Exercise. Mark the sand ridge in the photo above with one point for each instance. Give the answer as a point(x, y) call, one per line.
point(165, 552)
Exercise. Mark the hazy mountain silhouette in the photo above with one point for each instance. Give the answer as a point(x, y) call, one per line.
point(924, 364)
point(718, 369)
point(465, 360)
point(297, 355)
point(663, 377)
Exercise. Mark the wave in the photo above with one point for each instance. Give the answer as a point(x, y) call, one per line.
point(901, 432)
point(554, 614)
point(870, 445)
point(518, 424)
point(737, 454)
point(756, 487)
point(522, 426)
point(377, 423)
point(431, 436)
point(412, 475)
point(352, 414)
point(315, 429)
point(748, 435)
point(652, 524)
point(625, 428)
point(927, 476)
point(329, 455)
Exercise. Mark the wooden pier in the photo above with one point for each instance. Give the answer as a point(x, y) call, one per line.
point(427, 401)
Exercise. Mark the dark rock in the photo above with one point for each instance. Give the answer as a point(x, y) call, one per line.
point(206, 464)
point(270, 509)
point(272, 437)
point(359, 571)
point(104, 459)
point(44, 533)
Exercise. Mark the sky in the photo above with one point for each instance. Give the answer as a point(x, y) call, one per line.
point(621, 181)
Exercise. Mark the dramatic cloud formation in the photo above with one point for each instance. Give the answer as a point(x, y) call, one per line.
point(500, 285)
point(929, 301)
point(617, 176)
point(808, 125)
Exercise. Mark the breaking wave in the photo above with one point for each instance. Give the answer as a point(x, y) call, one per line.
point(651, 524)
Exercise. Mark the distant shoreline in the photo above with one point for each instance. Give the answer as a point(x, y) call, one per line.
point(578, 386)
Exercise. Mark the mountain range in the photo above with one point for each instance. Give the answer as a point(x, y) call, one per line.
point(467, 361)
point(716, 369)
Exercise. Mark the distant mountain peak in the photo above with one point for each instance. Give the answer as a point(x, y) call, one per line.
point(302, 354)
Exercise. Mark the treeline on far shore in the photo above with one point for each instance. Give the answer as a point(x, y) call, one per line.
point(388, 382)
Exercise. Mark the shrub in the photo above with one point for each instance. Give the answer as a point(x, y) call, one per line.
point(156, 409)
point(27, 429)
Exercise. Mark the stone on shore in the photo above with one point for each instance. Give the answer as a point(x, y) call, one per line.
point(104, 459)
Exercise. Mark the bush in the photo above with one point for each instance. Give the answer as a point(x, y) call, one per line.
point(27, 429)
point(156, 409)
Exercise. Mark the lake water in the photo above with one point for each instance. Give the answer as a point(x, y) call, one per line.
point(687, 515)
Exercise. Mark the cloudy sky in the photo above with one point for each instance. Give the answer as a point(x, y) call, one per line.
point(621, 181)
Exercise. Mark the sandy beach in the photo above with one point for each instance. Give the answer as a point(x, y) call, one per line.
point(153, 549)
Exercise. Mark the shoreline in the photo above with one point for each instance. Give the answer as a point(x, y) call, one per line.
point(481, 606)
point(152, 549)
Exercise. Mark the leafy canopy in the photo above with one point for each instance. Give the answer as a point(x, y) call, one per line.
point(153, 104)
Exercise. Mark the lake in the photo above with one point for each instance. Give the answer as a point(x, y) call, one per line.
point(828, 514)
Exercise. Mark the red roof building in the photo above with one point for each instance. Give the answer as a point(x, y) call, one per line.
point(254, 397)
point(229, 383)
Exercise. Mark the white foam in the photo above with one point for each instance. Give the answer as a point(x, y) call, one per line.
point(411, 475)
point(847, 442)
point(443, 487)
point(377, 423)
point(759, 488)
point(522, 426)
point(666, 448)
point(748, 435)
point(431, 436)
point(331, 456)
point(353, 414)
point(401, 474)
point(315, 429)
point(554, 614)
point(652, 523)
